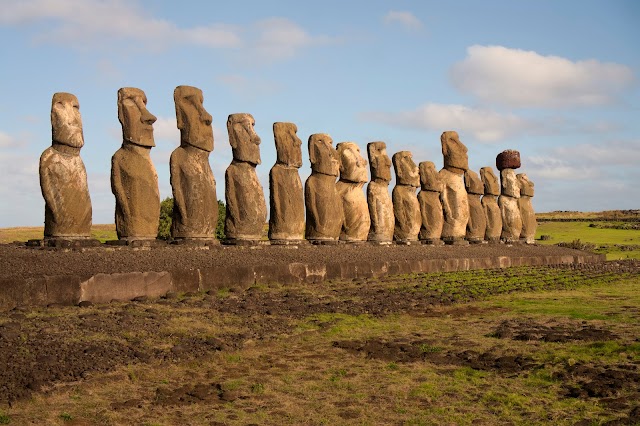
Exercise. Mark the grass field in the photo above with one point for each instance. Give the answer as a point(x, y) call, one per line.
point(9, 235)
point(611, 242)
point(519, 346)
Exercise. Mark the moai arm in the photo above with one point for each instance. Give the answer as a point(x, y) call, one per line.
point(178, 190)
point(231, 195)
point(446, 208)
point(118, 188)
point(48, 192)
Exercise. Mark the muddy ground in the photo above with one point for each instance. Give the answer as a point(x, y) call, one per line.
point(43, 347)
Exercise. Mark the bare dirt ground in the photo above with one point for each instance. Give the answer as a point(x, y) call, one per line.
point(272, 355)
point(21, 261)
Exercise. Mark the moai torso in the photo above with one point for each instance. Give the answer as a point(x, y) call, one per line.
point(430, 204)
point(507, 161)
point(477, 224)
point(529, 224)
point(134, 180)
point(63, 177)
point(286, 217)
point(490, 204)
point(195, 208)
point(353, 176)
point(378, 197)
point(246, 206)
point(406, 208)
point(323, 206)
point(455, 202)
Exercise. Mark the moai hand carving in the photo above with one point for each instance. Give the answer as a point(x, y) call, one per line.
point(246, 206)
point(378, 198)
point(353, 176)
point(529, 224)
point(506, 162)
point(406, 208)
point(286, 218)
point(490, 205)
point(477, 224)
point(430, 204)
point(63, 177)
point(455, 202)
point(323, 206)
point(134, 180)
point(195, 208)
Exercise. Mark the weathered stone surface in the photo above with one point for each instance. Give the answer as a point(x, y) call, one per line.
point(246, 206)
point(430, 204)
point(286, 218)
point(378, 197)
point(134, 181)
point(508, 203)
point(477, 224)
point(455, 202)
point(490, 204)
point(529, 224)
point(353, 175)
point(508, 159)
point(63, 177)
point(323, 206)
point(195, 208)
point(406, 208)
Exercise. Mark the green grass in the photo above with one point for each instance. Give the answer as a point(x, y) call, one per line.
point(604, 239)
point(23, 234)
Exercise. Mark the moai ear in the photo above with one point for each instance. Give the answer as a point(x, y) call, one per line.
point(176, 101)
point(312, 152)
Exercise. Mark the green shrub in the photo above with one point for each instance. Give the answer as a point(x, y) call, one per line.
point(166, 214)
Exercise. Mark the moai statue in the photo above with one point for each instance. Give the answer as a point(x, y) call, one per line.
point(529, 224)
point(246, 206)
point(477, 225)
point(353, 176)
point(134, 180)
point(378, 198)
point(195, 205)
point(63, 177)
point(490, 205)
point(455, 202)
point(507, 161)
point(323, 205)
point(430, 204)
point(405, 202)
point(286, 218)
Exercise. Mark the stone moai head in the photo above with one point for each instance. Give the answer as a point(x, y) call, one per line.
point(288, 144)
point(136, 120)
point(508, 159)
point(429, 179)
point(353, 167)
point(454, 152)
point(66, 122)
point(244, 141)
point(509, 183)
point(526, 186)
point(323, 157)
point(193, 120)
point(472, 183)
point(490, 181)
point(379, 161)
point(407, 172)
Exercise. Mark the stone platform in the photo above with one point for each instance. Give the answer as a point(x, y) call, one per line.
point(44, 276)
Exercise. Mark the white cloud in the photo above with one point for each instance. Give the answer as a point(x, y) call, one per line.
point(166, 129)
point(485, 125)
point(606, 153)
point(520, 78)
point(406, 19)
point(559, 169)
point(6, 140)
point(88, 22)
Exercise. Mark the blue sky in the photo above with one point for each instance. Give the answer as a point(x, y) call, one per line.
point(556, 80)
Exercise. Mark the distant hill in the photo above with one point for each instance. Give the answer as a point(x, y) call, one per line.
point(614, 215)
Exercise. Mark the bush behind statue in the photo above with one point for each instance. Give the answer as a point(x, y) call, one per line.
point(166, 213)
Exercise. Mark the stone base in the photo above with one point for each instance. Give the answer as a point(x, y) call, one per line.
point(455, 241)
point(379, 243)
point(432, 242)
point(196, 242)
point(352, 242)
point(62, 242)
point(236, 242)
point(476, 240)
point(288, 242)
point(511, 241)
point(527, 241)
point(408, 242)
point(493, 240)
point(136, 242)
point(324, 242)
